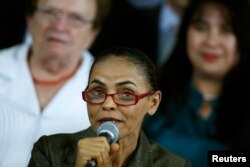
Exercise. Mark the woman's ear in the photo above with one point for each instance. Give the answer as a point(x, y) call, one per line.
point(154, 103)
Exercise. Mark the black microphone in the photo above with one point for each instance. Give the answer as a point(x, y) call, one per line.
point(110, 131)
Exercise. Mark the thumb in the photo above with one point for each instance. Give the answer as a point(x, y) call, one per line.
point(114, 147)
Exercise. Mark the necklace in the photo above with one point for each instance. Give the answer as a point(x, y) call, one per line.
point(209, 97)
point(57, 81)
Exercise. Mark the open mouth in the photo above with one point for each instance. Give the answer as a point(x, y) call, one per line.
point(55, 40)
point(115, 121)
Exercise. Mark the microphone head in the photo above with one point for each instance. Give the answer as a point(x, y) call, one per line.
point(109, 130)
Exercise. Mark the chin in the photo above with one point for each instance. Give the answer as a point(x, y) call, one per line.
point(213, 74)
point(55, 53)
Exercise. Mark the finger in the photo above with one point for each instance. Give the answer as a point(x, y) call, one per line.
point(82, 160)
point(114, 148)
point(93, 148)
point(104, 157)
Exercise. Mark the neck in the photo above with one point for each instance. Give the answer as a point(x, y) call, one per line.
point(209, 87)
point(52, 72)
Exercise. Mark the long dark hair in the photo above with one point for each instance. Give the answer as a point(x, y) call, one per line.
point(176, 73)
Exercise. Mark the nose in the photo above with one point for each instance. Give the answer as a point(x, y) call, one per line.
point(60, 21)
point(212, 38)
point(109, 103)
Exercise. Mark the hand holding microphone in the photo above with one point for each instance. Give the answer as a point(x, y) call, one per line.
point(95, 152)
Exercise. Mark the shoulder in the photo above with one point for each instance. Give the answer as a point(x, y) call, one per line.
point(158, 155)
point(87, 56)
point(88, 59)
point(7, 55)
point(10, 58)
point(10, 52)
point(163, 156)
point(56, 142)
point(63, 139)
point(55, 149)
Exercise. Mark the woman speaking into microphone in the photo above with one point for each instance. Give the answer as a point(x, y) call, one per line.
point(122, 89)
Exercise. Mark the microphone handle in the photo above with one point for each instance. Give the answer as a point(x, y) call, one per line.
point(91, 163)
